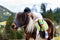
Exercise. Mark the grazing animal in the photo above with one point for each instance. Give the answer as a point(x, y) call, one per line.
point(23, 20)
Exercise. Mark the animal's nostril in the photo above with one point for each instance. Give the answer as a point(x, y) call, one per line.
point(12, 26)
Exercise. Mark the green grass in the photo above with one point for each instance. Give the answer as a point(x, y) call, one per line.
point(57, 38)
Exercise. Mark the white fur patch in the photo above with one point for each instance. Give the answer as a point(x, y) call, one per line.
point(30, 26)
point(37, 32)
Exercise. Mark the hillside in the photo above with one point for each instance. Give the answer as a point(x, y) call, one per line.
point(4, 13)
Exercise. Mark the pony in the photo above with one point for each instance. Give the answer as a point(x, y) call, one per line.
point(23, 20)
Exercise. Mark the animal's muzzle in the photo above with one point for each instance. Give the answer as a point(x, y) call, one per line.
point(13, 26)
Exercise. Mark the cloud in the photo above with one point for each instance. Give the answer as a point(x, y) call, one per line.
point(19, 5)
point(20, 2)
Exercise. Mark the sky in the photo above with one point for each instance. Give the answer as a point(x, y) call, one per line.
point(19, 5)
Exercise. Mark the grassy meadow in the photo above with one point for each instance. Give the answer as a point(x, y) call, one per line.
point(56, 38)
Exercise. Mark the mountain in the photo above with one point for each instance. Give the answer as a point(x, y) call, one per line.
point(4, 13)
